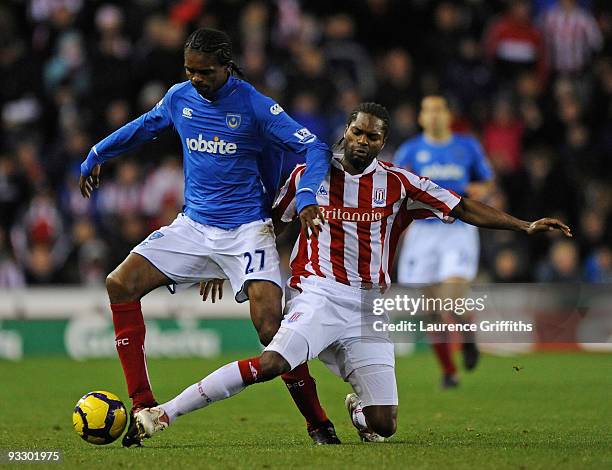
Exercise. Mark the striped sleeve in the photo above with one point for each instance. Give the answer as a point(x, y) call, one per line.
point(285, 207)
point(425, 199)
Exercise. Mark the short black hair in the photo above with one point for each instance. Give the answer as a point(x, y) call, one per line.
point(374, 109)
point(213, 41)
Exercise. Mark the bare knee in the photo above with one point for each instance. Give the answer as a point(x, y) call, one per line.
point(119, 289)
point(382, 419)
point(385, 428)
point(272, 365)
point(266, 309)
point(133, 278)
point(267, 331)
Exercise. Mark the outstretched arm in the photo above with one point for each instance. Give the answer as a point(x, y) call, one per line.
point(124, 139)
point(481, 215)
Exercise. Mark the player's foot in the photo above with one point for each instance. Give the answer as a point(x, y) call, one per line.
point(150, 421)
point(353, 405)
point(131, 436)
point(471, 355)
point(449, 381)
point(324, 434)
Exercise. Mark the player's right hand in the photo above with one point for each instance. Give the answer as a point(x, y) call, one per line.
point(88, 183)
point(311, 219)
point(212, 287)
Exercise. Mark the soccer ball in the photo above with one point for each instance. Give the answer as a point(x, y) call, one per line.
point(99, 417)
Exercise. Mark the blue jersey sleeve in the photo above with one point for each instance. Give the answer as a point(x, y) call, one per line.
point(270, 163)
point(404, 156)
point(480, 169)
point(278, 127)
point(131, 135)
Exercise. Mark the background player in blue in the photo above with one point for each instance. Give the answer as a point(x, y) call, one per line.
point(227, 129)
point(444, 257)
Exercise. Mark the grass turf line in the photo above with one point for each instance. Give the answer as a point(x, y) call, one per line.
point(554, 412)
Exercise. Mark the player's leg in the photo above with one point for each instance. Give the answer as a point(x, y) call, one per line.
point(223, 383)
point(365, 358)
point(419, 266)
point(382, 419)
point(232, 378)
point(441, 341)
point(254, 272)
point(373, 406)
point(458, 268)
point(126, 285)
point(456, 288)
point(368, 364)
point(299, 339)
point(287, 350)
point(168, 256)
point(374, 413)
point(265, 306)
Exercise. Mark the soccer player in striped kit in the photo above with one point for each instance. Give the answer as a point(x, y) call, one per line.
point(228, 131)
point(336, 275)
point(443, 258)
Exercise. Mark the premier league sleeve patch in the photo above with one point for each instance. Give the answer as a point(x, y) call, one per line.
point(304, 136)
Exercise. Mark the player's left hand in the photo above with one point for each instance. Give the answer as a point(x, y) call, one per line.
point(548, 225)
point(213, 287)
point(311, 219)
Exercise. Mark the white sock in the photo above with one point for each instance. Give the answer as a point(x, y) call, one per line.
point(221, 384)
point(359, 419)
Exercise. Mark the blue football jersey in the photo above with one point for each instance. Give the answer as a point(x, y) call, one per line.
point(452, 164)
point(232, 150)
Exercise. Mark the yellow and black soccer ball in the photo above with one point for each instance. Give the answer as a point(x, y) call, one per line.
point(99, 417)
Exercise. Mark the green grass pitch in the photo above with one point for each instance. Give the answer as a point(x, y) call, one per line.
point(555, 412)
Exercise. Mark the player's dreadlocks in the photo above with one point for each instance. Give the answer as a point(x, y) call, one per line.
point(374, 109)
point(212, 41)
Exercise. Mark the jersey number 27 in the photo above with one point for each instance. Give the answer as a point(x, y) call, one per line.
point(249, 258)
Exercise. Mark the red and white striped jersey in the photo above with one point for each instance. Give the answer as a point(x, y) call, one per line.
point(365, 215)
point(572, 38)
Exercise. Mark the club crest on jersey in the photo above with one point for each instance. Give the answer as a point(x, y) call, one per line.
point(233, 120)
point(380, 196)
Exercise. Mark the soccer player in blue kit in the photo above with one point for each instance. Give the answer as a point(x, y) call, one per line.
point(441, 257)
point(228, 130)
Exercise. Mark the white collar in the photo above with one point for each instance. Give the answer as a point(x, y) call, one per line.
point(370, 168)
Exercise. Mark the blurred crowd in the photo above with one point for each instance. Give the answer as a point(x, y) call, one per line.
point(531, 79)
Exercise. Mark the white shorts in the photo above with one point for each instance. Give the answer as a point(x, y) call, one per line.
point(326, 321)
point(189, 252)
point(433, 252)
